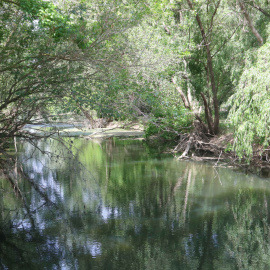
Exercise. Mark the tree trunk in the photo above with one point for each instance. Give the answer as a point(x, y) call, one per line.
point(250, 23)
point(87, 115)
point(208, 115)
point(183, 97)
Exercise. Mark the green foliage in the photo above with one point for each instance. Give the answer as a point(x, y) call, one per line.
point(250, 112)
point(229, 147)
point(169, 121)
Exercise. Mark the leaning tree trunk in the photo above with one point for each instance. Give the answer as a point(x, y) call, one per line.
point(250, 23)
point(87, 115)
point(213, 125)
point(182, 95)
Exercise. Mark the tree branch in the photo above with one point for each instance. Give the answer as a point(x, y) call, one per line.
point(250, 23)
point(252, 3)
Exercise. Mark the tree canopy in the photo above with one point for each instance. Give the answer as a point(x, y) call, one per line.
point(171, 62)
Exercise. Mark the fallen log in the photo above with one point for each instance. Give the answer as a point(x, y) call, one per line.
point(207, 158)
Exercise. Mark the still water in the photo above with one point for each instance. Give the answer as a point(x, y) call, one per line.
point(118, 204)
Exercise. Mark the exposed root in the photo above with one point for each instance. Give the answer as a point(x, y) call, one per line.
point(202, 148)
point(188, 145)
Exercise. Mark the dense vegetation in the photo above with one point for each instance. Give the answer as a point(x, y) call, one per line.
point(174, 64)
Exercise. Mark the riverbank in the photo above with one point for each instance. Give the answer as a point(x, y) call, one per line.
point(194, 146)
point(113, 129)
point(219, 150)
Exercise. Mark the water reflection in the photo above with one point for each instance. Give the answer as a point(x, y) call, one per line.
point(116, 205)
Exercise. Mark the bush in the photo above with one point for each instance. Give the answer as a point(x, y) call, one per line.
point(169, 122)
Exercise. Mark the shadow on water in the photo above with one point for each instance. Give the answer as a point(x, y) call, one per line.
point(115, 205)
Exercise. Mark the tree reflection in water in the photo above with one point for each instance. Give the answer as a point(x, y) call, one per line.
point(114, 204)
point(249, 236)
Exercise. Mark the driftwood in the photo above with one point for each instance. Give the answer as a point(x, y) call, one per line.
point(189, 143)
point(207, 158)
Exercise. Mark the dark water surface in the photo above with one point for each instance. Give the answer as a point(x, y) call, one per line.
point(121, 205)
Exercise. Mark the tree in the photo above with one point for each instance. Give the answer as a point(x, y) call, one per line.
point(250, 112)
point(202, 74)
point(47, 53)
point(216, 43)
point(213, 125)
point(35, 65)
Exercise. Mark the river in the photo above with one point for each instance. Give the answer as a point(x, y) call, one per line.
point(119, 204)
